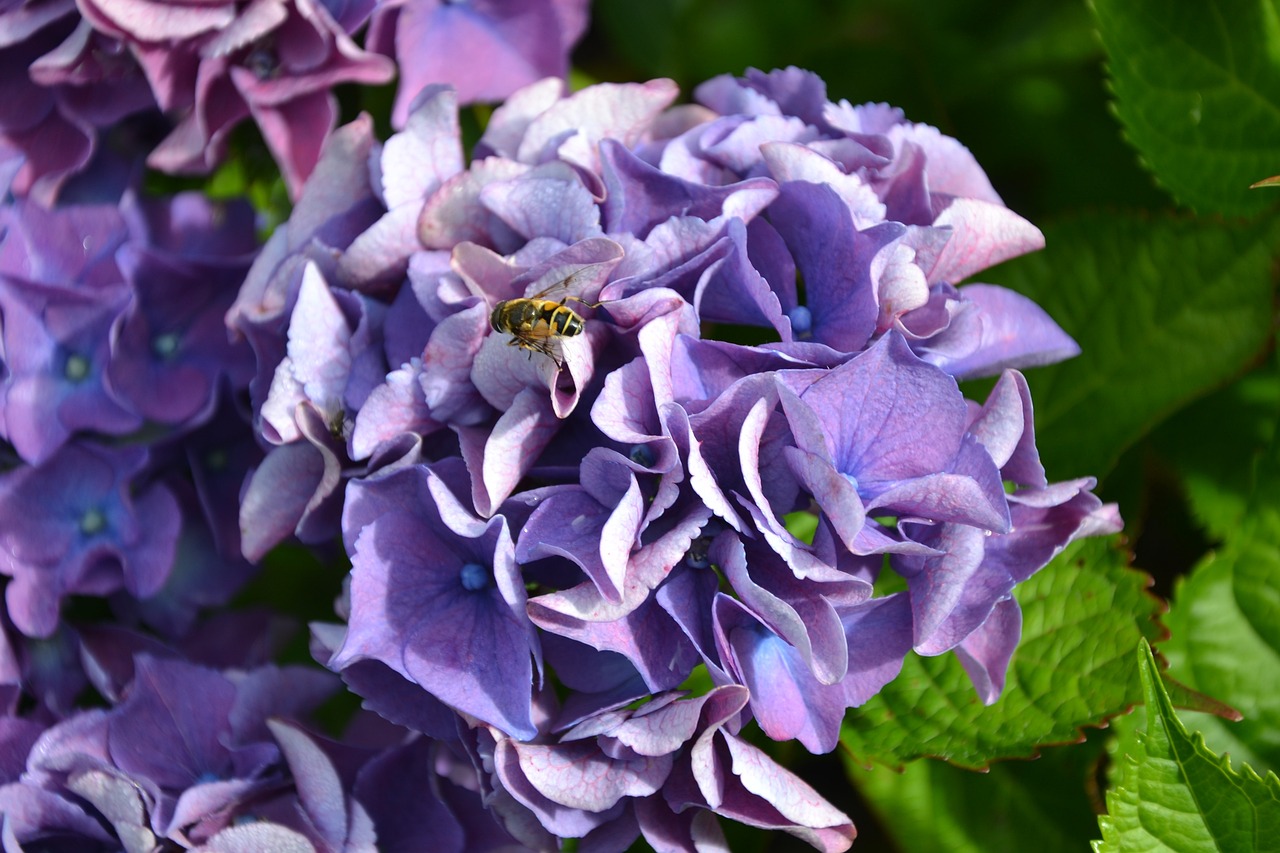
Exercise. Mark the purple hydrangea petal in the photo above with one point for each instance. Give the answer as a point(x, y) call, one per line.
point(436, 596)
point(414, 164)
point(497, 459)
point(625, 410)
point(512, 117)
point(548, 201)
point(835, 260)
point(17, 736)
point(385, 691)
point(736, 142)
point(953, 170)
point(51, 671)
point(878, 632)
point(1045, 520)
point(644, 635)
point(522, 42)
point(319, 361)
point(597, 538)
point(572, 128)
point(118, 799)
point(32, 814)
point(108, 653)
point(419, 159)
point(841, 504)
point(561, 820)
point(1008, 330)
point(399, 789)
point(448, 362)
point(153, 21)
point(726, 775)
point(271, 691)
point(688, 597)
point(277, 495)
point(728, 95)
point(796, 610)
point(775, 798)
point(580, 776)
point(970, 492)
point(732, 290)
point(171, 726)
point(1005, 426)
point(986, 652)
point(78, 742)
point(454, 214)
point(393, 409)
point(320, 790)
point(284, 86)
point(666, 829)
point(953, 593)
point(797, 92)
point(381, 254)
point(983, 235)
point(888, 415)
point(789, 161)
point(787, 699)
point(640, 196)
point(73, 527)
point(171, 347)
point(255, 837)
point(337, 204)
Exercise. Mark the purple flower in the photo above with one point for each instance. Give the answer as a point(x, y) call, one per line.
point(179, 758)
point(220, 64)
point(806, 651)
point(885, 434)
point(623, 774)
point(437, 597)
point(60, 291)
point(65, 83)
point(170, 349)
point(628, 534)
point(74, 525)
point(113, 316)
point(436, 41)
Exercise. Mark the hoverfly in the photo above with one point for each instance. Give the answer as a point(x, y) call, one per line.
point(534, 323)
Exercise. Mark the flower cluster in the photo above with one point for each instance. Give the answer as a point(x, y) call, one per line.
point(122, 402)
point(188, 757)
point(119, 380)
point(195, 69)
point(556, 521)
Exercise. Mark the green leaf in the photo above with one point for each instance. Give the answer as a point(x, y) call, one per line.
point(1197, 89)
point(1225, 624)
point(932, 807)
point(1074, 667)
point(1178, 795)
point(1165, 309)
point(1215, 443)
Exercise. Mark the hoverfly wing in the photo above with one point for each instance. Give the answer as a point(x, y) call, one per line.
point(563, 288)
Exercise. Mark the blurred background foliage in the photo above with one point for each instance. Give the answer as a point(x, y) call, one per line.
point(1123, 130)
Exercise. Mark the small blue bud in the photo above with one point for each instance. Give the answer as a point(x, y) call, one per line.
point(76, 368)
point(801, 321)
point(474, 577)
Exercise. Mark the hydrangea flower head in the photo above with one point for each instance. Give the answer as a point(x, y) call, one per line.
point(553, 523)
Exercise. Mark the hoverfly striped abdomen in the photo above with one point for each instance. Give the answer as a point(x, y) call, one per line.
point(535, 323)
